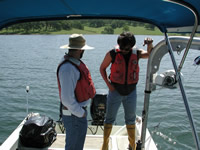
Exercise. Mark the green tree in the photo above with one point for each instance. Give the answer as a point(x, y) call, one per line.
point(15, 27)
point(55, 25)
point(108, 30)
point(117, 23)
point(26, 27)
point(133, 23)
point(65, 25)
point(96, 23)
point(149, 27)
point(125, 28)
point(77, 25)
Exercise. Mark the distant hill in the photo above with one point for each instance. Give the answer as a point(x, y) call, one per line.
point(82, 26)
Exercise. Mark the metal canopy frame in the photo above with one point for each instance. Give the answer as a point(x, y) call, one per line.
point(153, 67)
point(174, 44)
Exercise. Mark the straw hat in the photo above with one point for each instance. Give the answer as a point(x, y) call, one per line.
point(77, 41)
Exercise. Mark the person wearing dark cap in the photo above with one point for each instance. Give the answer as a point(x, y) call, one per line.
point(75, 89)
point(122, 82)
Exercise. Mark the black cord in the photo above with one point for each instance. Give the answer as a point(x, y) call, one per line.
point(61, 126)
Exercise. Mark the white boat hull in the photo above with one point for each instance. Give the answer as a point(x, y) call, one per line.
point(118, 139)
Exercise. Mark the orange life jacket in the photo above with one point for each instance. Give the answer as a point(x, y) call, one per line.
point(85, 87)
point(122, 74)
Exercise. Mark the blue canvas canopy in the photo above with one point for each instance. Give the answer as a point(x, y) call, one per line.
point(165, 14)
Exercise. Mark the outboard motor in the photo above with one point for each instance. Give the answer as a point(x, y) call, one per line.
point(38, 132)
point(98, 107)
point(167, 79)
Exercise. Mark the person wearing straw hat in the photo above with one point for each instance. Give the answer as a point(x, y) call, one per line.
point(75, 89)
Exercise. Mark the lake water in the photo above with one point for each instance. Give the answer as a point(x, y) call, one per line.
point(31, 60)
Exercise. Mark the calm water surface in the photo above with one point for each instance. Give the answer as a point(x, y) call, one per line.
point(32, 60)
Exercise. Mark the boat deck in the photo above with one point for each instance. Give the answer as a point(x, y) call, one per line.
point(94, 142)
point(94, 139)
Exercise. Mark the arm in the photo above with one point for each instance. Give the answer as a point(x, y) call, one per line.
point(106, 62)
point(143, 53)
point(69, 75)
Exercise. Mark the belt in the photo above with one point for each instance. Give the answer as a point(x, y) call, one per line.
point(66, 112)
point(65, 108)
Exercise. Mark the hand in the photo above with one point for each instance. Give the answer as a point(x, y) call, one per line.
point(111, 88)
point(84, 115)
point(148, 41)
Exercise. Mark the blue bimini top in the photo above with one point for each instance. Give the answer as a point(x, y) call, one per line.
point(167, 15)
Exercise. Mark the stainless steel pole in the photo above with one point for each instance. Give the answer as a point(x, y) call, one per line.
point(195, 135)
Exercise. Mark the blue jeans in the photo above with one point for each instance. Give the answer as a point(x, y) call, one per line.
point(114, 101)
point(76, 130)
